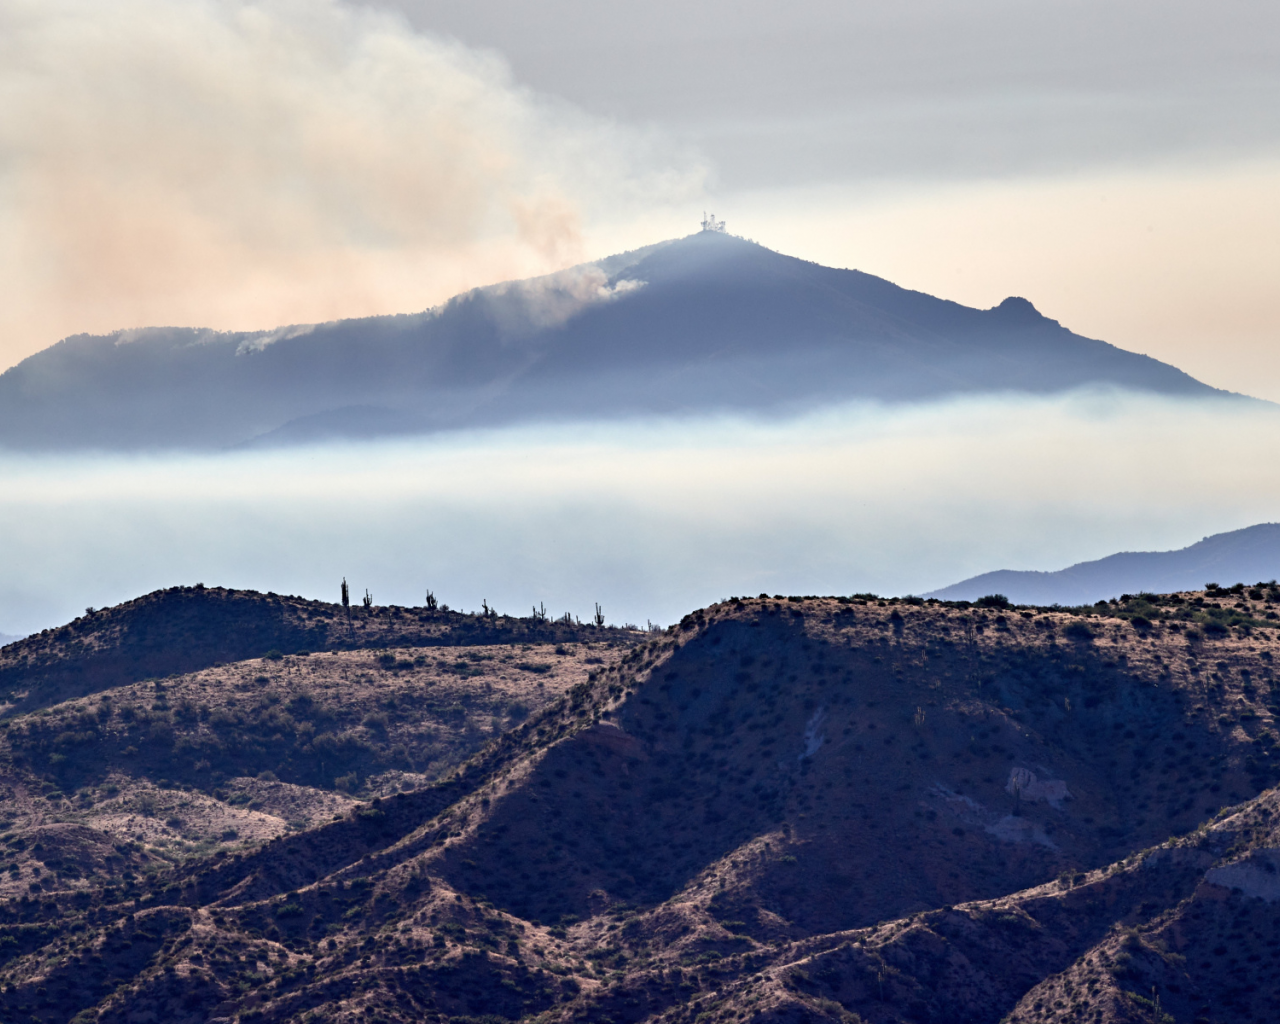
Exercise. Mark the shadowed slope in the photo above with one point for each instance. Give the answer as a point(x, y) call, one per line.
point(852, 764)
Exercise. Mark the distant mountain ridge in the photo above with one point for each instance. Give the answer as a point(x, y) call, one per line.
point(1241, 556)
point(708, 323)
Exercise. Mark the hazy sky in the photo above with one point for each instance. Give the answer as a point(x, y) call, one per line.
point(834, 91)
point(234, 164)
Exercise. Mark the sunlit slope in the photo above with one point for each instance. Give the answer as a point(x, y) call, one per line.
point(185, 629)
point(698, 325)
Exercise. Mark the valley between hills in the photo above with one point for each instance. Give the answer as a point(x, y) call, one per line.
point(230, 806)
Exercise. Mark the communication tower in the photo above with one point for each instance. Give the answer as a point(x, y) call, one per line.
point(709, 223)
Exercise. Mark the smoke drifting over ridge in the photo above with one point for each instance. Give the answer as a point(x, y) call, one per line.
point(231, 164)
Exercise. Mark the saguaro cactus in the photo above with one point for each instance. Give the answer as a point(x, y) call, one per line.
point(599, 616)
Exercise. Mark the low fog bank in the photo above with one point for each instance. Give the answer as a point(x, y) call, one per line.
point(649, 518)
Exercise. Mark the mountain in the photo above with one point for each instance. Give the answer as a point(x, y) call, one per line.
point(780, 810)
point(702, 324)
point(1241, 555)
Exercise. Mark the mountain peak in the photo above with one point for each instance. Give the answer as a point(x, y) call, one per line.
point(708, 323)
point(1016, 309)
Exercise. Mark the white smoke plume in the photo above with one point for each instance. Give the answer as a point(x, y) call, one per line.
point(551, 300)
point(239, 165)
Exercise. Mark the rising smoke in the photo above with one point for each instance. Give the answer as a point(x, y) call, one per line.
point(237, 164)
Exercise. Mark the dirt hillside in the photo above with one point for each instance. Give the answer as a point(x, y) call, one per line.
point(780, 809)
point(185, 629)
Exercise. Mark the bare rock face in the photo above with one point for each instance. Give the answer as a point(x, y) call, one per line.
point(1256, 875)
point(1024, 784)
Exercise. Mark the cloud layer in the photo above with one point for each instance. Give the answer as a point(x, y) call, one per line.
point(243, 164)
point(651, 519)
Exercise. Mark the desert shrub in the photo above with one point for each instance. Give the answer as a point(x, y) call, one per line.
point(994, 601)
point(302, 706)
point(299, 745)
point(1078, 631)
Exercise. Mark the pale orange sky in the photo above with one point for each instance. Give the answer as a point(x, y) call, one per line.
point(1182, 264)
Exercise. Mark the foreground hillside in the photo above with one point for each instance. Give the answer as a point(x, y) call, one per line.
point(183, 629)
point(780, 809)
point(699, 325)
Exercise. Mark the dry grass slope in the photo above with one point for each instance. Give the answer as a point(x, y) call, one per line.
point(780, 810)
point(185, 629)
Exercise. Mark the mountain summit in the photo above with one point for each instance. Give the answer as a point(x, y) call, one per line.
point(701, 324)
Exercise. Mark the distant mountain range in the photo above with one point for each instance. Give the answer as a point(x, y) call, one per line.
point(703, 324)
point(1241, 556)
